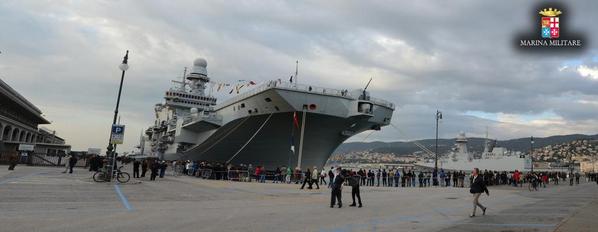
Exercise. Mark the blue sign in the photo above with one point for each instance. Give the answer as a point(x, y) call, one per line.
point(118, 134)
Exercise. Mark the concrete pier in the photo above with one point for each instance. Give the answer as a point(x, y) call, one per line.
point(44, 199)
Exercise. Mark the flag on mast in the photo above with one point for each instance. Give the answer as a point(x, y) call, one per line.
point(292, 144)
point(295, 120)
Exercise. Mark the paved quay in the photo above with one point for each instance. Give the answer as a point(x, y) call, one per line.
point(44, 199)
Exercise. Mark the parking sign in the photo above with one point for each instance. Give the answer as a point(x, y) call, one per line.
point(118, 134)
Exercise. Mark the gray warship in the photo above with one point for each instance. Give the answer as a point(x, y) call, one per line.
point(276, 123)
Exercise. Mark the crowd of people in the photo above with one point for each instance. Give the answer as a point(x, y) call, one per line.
point(314, 177)
point(410, 178)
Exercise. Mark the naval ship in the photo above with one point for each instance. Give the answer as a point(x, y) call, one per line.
point(276, 123)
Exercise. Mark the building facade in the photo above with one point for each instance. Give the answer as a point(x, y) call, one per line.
point(19, 121)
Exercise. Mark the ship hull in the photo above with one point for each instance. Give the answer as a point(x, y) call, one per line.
point(243, 142)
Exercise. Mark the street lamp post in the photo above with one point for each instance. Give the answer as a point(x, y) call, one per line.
point(110, 149)
point(438, 117)
point(531, 152)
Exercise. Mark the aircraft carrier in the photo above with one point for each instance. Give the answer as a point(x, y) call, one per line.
point(275, 123)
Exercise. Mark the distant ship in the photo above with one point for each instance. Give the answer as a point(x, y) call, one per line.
point(493, 158)
point(274, 124)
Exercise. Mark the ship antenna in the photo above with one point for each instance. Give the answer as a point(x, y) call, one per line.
point(296, 70)
point(183, 83)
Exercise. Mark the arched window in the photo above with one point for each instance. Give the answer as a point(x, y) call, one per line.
point(6, 133)
point(22, 136)
point(15, 134)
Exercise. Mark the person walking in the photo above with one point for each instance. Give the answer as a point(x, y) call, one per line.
point(330, 177)
point(307, 179)
point(354, 182)
point(336, 188)
point(67, 159)
point(13, 159)
point(154, 169)
point(289, 174)
point(478, 186)
point(72, 162)
point(136, 165)
point(314, 177)
point(323, 177)
point(144, 165)
point(276, 175)
point(163, 167)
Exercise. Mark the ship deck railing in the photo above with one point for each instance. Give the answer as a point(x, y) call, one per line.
point(277, 84)
point(210, 118)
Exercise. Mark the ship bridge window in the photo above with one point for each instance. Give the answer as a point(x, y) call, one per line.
point(242, 105)
point(268, 99)
point(249, 111)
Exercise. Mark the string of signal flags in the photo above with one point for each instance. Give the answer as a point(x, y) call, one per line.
point(233, 87)
point(236, 88)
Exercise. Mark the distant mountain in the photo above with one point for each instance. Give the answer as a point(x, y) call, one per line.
point(444, 145)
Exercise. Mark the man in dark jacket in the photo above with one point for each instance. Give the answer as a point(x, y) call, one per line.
point(330, 177)
point(144, 166)
point(162, 167)
point(478, 186)
point(72, 163)
point(136, 165)
point(154, 168)
point(13, 159)
point(337, 187)
point(354, 182)
point(307, 179)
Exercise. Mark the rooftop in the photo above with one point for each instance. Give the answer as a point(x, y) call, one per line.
point(18, 99)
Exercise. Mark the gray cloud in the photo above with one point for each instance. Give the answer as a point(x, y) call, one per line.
point(457, 57)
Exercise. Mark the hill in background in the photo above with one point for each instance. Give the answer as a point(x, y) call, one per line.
point(475, 145)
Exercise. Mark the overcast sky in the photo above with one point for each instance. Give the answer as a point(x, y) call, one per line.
point(455, 56)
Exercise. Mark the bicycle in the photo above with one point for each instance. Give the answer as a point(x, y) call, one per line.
point(121, 177)
point(533, 184)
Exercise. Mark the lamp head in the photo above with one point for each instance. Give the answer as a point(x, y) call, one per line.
point(124, 66)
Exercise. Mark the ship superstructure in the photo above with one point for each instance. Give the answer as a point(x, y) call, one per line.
point(274, 124)
point(493, 158)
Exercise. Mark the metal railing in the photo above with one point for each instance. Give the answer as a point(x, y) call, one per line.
point(211, 118)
